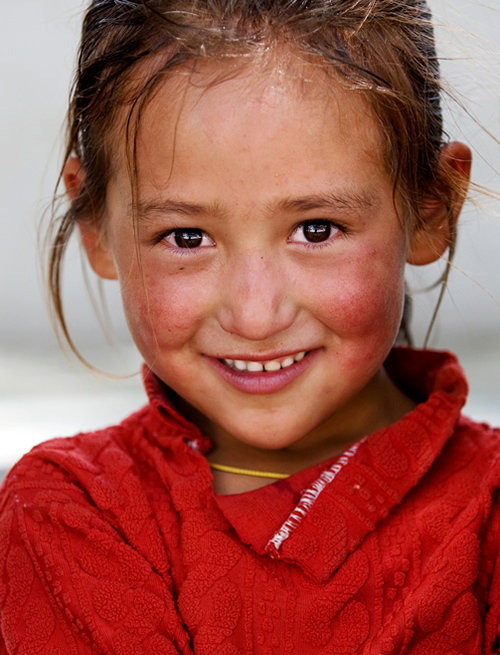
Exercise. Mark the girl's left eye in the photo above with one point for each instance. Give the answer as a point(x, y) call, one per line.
point(314, 231)
point(188, 238)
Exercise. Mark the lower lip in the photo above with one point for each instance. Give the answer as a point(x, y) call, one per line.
point(263, 382)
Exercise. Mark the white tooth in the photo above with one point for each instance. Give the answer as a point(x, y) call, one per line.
point(272, 366)
point(300, 356)
point(228, 362)
point(240, 365)
point(287, 362)
point(255, 367)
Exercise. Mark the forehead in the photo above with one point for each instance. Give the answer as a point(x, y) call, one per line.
point(276, 117)
point(268, 81)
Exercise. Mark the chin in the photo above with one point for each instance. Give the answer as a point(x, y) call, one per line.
point(273, 441)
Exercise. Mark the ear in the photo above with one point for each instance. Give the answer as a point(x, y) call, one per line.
point(439, 212)
point(93, 239)
point(73, 176)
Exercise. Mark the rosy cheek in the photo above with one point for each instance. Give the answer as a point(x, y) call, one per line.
point(164, 311)
point(364, 298)
point(358, 310)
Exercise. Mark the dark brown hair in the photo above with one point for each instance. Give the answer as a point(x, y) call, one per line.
point(382, 48)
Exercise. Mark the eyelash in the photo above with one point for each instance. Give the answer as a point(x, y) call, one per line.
point(338, 231)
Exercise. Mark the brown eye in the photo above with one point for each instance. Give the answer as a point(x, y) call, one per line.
point(188, 238)
point(316, 232)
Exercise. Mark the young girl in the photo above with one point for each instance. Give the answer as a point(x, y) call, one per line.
point(256, 174)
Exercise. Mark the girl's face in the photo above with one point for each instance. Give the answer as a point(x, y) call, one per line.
point(270, 284)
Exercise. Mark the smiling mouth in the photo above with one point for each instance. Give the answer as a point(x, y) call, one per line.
point(272, 365)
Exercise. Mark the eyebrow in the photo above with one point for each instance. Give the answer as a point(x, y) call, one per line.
point(344, 201)
point(147, 210)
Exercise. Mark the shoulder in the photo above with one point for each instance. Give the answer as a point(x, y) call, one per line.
point(477, 447)
point(468, 468)
point(81, 543)
point(83, 459)
point(76, 486)
point(458, 497)
point(461, 488)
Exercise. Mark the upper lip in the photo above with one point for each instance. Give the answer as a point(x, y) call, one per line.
point(259, 357)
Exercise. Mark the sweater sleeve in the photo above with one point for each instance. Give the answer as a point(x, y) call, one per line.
point(70, 582)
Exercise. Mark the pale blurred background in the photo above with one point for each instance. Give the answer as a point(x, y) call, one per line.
point(42, 394)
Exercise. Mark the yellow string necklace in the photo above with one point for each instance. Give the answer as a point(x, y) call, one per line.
point(255, 474)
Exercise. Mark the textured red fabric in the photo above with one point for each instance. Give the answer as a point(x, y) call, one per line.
point(114, 542)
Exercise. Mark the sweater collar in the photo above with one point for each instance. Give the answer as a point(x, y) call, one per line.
point(160, 399)
point(315, 518)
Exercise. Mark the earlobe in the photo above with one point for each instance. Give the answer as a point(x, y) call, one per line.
point(98, 252)
point(439, 212)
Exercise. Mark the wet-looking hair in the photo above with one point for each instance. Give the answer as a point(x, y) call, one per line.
point(383, 49)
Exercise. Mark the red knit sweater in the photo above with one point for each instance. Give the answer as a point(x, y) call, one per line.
point(114, 542)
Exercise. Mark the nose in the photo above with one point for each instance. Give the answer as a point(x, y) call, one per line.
point(257, 297)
